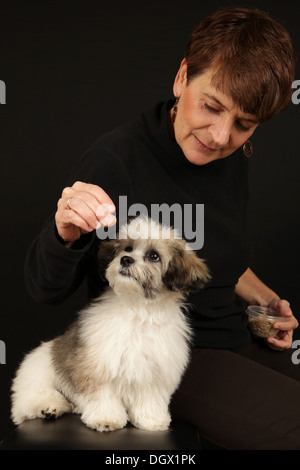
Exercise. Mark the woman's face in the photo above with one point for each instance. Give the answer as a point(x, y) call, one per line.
point(208, 125)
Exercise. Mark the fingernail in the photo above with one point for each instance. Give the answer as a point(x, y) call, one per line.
point(108, 220)
point(98, 225)
point(100, 211)
point(109, 207)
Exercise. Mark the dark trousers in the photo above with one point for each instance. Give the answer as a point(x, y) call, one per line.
point(243, 399)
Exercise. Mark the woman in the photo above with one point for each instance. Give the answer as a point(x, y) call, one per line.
point(237, 73)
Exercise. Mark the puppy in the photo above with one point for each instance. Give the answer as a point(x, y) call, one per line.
point(123, 357)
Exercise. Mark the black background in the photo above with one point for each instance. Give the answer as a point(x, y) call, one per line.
point(75, 69)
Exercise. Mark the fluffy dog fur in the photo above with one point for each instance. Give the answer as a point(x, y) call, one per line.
point(123, 357)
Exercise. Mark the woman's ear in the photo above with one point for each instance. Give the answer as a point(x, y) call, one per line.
point(180, 79)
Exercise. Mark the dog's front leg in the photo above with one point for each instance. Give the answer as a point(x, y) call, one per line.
point(149, 411)
point(102, 410)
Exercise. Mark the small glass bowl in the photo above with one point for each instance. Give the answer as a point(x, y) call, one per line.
point(261, 321)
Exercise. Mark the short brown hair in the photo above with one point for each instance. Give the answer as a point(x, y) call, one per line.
point(252, 57)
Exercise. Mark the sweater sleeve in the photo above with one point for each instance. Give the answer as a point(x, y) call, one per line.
point(52, 271)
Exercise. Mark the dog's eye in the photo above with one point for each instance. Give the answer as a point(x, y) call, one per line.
point(153, 256)
point(128, 249)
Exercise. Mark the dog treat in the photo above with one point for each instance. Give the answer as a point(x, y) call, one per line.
point(262, 328)
point(262, 320)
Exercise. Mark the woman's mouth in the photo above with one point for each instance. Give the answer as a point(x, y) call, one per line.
point(202, 146)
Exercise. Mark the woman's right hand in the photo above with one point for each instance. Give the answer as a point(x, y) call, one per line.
point(81, 209)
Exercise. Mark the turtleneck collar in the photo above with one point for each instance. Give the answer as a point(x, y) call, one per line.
point(158, 123)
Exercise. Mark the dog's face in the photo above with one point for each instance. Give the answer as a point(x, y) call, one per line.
point(147, 258)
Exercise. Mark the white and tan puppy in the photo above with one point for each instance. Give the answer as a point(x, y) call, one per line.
point(124, 356)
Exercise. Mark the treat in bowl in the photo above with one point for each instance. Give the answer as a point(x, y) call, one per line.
point(261, 321)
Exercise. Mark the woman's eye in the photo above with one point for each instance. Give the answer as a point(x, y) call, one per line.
point(153, 256)
point(243, 128)
point(210, 108)
point(128, 249)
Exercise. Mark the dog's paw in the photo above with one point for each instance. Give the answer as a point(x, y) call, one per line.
point(53, 406)
point(105, 426)
point(103, 416)
point(47, 405)
point(104, 421)
point(151, 423)
point(48, 413)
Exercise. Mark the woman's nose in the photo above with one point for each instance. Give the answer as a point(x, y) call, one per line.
point(220, 133)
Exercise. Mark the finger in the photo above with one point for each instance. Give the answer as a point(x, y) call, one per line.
point(290, 324)
point(104, 209)
point(281, 306)
point(103, 212)
point(109, 220)
point(80, 206)
point(67, 191)
point(75, 219)
point(283, 343)
point(90, 201)
point(101, 196)
point(100, 212)
point(282, 335)
point(80, 190)
point(278, 344)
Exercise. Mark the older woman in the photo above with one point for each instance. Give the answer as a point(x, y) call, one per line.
point(237, 73)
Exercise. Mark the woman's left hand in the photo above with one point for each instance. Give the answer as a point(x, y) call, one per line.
point(284, 337)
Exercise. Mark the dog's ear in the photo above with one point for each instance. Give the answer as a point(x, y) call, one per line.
point(186, 272)
point(106, 253)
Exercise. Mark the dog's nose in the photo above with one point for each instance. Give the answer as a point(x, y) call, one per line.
point(126, 261)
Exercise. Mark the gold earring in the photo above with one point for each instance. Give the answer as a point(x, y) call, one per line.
point(248, 148)
point(174, 110)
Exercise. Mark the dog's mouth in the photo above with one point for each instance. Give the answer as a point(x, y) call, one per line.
point(125, 272)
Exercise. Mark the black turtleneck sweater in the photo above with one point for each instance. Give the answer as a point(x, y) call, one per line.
point(141, 161)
